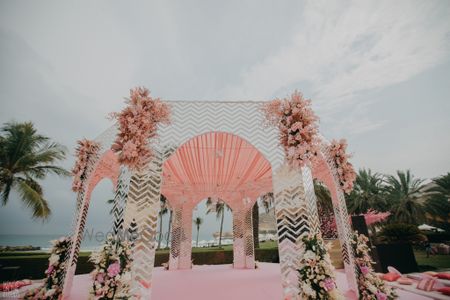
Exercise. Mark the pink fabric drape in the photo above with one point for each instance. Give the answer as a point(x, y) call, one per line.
point(219, 165)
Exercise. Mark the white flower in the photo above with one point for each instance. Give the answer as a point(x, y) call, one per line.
point(50, 293)
point(309, 255)
point(307, 289)
point(54, 259)
point(126, 277)
point(372, 288)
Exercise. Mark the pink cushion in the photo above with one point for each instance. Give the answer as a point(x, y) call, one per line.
point(426, 284)
point(391, 276)
point(405, 281)
point(443, 276)
point(444, 290)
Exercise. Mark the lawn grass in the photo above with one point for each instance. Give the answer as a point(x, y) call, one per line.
point(432, 263)
point(33, 264)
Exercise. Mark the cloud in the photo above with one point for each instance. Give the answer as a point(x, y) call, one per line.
point(341, 50)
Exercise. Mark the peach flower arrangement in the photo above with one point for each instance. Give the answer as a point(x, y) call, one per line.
point(85, 150)
point(346, 173)
point(138, 124)
point(298, 128)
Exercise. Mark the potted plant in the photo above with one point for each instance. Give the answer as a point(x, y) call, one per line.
point(394, 246)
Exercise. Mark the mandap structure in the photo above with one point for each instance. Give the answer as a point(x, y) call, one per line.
point(223, 150)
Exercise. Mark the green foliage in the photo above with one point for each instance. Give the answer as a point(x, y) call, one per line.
point(442, 185)
point(218, 207)
point(323, 197)
point(400, 233)
point(368, 193)
point(25, 158)
point(32, 265)
point(406, 194)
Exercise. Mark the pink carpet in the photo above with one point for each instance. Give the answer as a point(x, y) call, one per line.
point(220, 282)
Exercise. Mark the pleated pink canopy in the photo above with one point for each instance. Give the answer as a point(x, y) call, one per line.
point(219, 165)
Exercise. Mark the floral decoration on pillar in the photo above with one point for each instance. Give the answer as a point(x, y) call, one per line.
point(317, 279)
point(138, 123)
point(112, 270)
point(370, 286)
point(346, 173)
point(298, 128)
point(52, 287)
point(86, 149)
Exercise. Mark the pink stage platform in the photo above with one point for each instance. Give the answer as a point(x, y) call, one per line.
point(219, 282)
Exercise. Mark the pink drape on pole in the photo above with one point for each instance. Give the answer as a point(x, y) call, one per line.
point(216, 164)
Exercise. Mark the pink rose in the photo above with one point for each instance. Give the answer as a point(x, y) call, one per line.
point(100, 277)
point(328, 284)
point(381, 296)
point(364, 270)
point(50, 269)
point(114, 269)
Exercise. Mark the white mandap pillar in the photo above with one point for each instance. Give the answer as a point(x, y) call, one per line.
point(141, 215)
point(181, 245)
point(296, 213)
point(243, 244)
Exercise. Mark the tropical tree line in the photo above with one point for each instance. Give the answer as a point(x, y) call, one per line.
point(409, 199)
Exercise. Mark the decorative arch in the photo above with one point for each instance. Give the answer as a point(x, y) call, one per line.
point(220, 165)
point(324, 169)
point(138, 193)
point(107, 167)
point(98, 168)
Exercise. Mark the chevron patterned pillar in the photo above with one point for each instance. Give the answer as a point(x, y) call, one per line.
point(330, 179)
point(181, 244)
point(243, 246)
point(296, 213)
point(75, 246)
point(185, 261)
point(175, 243)
point(120, 200)
point(142, 208)
point(249, 246)
point(345, 236)
point(79, 221)
point(238, 240)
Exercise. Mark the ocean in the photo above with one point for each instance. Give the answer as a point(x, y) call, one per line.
point(43, 241)
point(90, 242)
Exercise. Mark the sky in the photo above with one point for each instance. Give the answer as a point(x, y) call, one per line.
point(378, 74)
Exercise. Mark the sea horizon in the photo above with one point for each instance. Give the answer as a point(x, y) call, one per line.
point(89, 243)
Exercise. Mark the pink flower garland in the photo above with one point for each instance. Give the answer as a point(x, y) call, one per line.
point(298, 128)
point(346, 173)
point(327, 220)
point(370, 286)
point(84, 151)
point(137, 124)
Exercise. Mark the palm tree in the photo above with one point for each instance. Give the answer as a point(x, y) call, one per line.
point(368, 192)
point(267, 202)
point(323, 196)
point(219, 208)
point(438, 205)
point(111, 202)
point(169, 225)
point(162, 211)
point(25, 157)
point(198, 221)
point(255, 224)
point(442, 186)
point(406, 195)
